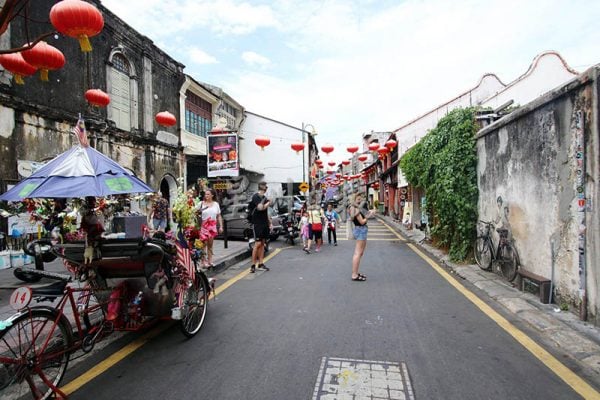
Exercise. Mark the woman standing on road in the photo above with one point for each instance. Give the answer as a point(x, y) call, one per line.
point(315, 226)
point(359, 219)
point(211, 216)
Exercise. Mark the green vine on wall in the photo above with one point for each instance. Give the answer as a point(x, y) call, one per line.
point(444, 165)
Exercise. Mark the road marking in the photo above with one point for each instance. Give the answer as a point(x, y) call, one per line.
point(113, 359)
point(569, 377)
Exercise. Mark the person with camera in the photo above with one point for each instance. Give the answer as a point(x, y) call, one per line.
point(261, 222)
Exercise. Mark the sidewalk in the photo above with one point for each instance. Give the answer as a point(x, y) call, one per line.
point(223, 258)
point(559, 329)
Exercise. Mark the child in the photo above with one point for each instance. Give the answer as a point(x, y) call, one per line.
point(303, 226)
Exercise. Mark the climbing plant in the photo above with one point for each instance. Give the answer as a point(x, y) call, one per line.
point(444, 165)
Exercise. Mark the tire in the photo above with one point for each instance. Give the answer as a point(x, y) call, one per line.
point(509, 262)
point(195, 303)
point(483, 253)
point(19, 273)
point(17, 362)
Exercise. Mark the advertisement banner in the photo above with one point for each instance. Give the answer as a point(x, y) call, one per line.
point(223, 155)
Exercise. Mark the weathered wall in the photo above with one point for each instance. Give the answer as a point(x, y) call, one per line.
point(44, 113)
point(527, 182)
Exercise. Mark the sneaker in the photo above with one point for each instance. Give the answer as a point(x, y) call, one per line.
point(307, 251)
point(335, 244)
point(252, 269)
point(318, 249)
point(263, 266)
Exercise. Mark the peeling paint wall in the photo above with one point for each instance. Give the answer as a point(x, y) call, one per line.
point(528, 159)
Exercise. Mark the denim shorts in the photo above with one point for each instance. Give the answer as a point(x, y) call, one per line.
point(159, 223)
point(360, 232)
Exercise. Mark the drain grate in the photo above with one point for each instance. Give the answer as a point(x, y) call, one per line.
point(348, 379)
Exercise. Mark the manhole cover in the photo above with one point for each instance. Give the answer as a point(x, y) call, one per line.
point(347, 379)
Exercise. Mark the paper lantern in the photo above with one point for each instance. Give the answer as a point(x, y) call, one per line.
point(362, 158)
point(346, 162)
point(331, 163)
point(298, 147)
point(330, 172)
point(262, 141)
point(77, 19)
point(45, 58)
point(327, 148)
point(97, 97)
point(352, 149)
point(390, 144)
point(318, 161)
point(165, 118)
point(373, 146)
point(338, 175)
point(383, 151)
point(17, 66)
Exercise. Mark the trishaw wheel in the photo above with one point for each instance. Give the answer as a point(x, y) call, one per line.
point(195, 302)
point(33, 346)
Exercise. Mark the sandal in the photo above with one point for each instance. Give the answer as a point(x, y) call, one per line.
point(361, 275)
point(252, 269)
point(263, 267)
point(360, 278)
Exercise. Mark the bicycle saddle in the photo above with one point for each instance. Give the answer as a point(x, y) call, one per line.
point(52, 290)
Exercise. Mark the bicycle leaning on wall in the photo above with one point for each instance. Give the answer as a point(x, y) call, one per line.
point(503, 258)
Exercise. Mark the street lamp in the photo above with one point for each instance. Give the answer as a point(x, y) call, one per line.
point(312, 133)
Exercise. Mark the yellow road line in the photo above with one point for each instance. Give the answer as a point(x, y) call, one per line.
point(106, 364)
point(569, 377)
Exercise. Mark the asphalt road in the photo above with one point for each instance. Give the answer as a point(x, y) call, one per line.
point(279, 334)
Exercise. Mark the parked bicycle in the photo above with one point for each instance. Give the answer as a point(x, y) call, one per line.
point(37, 342)
point(503, 258)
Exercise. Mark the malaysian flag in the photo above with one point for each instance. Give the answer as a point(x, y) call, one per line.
point(79, 131)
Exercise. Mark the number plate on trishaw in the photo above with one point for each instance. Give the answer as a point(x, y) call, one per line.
point(21, 298)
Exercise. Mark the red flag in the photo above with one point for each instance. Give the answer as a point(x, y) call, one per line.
point(80, 132)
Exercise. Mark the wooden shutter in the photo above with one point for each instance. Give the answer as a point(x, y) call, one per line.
point(120, 100)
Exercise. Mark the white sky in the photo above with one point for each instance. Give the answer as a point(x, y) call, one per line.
point(349, 67)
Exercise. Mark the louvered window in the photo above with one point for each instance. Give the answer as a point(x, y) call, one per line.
point(120, 92)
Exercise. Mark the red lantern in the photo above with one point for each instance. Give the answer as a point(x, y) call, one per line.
point(320, 166)
point(338, 175)
point(373, 146)
point(331, 163)
point(97, 97)
point(165, 118)
point(330, 172)
point(362, 158)
point(390, 144)
point(318, 161)
point(262, 141)
point(77, 19)
point(346, 162)
point(327, 148)
point(16, 65)
point(383, 151)
point(44, 57)
point(298, 147)
point(352, 149)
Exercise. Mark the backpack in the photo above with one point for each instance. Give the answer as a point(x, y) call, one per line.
point(250, 212)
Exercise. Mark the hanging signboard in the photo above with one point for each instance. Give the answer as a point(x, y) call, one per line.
point(223, 155)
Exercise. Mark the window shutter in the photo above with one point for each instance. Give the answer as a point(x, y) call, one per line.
point(120, 100)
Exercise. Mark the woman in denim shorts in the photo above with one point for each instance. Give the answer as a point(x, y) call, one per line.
point(360, 234)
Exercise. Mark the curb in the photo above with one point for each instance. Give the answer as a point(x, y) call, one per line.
point(232, 259)
point(561, 330)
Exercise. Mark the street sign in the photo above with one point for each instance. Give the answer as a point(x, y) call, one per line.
point(304, 187)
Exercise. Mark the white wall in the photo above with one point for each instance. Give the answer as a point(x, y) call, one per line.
point(278, 162)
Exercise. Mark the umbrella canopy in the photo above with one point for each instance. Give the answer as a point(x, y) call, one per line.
point(78, 172)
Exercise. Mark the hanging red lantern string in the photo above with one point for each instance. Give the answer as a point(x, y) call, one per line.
point(97, 97)
point(17, 66)
point(373, 146)
point(352, 149)
point(262, 141)
point(165, 118)
point(390, 144)
point(298, 147)
point(346, 162)
point(383, 151)
point(362, 158)
point(77, 19)
point(338, 175)
point(44, 57)
point(331, 163)
point(327, 148)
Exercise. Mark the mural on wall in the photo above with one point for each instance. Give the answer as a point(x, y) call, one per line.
point(581, 201)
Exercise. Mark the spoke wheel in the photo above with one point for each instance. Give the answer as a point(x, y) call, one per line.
point(30, 348)
point(508, 262)
point(195, 302)
point(483, 253)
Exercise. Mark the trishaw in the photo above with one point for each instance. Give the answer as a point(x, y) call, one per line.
point(124, 284)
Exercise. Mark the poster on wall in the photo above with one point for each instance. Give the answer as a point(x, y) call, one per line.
point(223, 155)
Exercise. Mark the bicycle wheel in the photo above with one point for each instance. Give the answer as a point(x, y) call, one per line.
point(509, 262)
point(31, 348)
point(194, 306)
point(483, 253)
